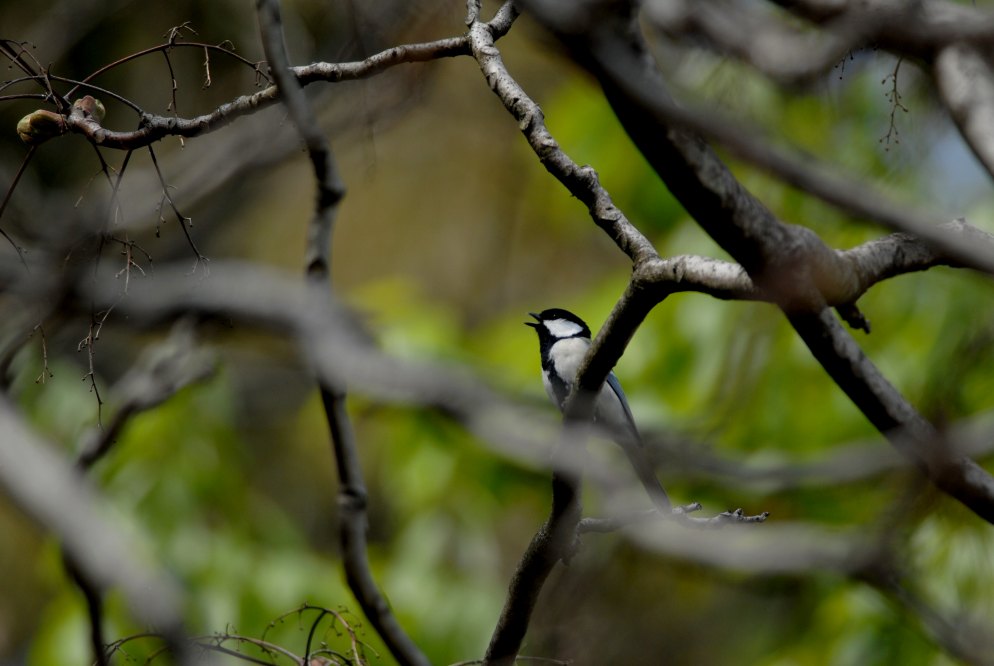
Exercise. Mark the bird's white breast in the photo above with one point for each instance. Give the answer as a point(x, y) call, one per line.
point(566, 356)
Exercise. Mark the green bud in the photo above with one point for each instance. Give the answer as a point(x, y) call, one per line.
point(91, 106)
point(40, 126)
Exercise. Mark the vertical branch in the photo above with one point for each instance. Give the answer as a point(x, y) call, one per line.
point(352, 493)
point(554, 541)
point(93, 596)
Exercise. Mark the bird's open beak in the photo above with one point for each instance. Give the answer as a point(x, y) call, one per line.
point(533, 324)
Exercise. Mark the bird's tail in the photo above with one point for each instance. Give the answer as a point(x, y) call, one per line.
point(646, 474)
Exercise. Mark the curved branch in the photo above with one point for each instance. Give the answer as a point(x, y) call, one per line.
point(555, 541)
point(881, 403)
point(163, 48)
point(918, 28)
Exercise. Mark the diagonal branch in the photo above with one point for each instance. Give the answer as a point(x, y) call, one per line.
point(554, 541)
point(55, 496)
point(623, 68)
point(556, 538)
point(159, 374)
point(776, 256)
point(582, 182)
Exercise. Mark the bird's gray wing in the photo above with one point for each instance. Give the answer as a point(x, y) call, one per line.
point(627, 421)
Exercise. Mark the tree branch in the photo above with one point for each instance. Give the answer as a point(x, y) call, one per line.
point(157, 376)
point(352, 493)
point(856, 271)
point(631, 81)
point(153, 128)
point(787, 261)
point(795, 54)
point(56, 497)
point(582, 182)
point(555, 541)
point(966, 83)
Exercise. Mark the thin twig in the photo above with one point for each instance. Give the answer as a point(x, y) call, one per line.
point(893, 96)
point(164, 47)
point(182, 219)
point(352, 493)
point(45, 372)
point(6, 200)
point(88, 343)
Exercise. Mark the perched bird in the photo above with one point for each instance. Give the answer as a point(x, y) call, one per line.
point(563, 340)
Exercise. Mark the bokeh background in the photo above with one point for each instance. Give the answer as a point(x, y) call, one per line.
point(451, 232)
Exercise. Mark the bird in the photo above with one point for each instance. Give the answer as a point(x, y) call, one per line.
point(563, 340)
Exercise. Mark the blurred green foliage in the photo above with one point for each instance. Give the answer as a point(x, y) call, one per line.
point(233, 484)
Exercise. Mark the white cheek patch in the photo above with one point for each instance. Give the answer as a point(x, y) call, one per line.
point(562, 328)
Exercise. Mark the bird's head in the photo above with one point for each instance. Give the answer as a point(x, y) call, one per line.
point(558, 324)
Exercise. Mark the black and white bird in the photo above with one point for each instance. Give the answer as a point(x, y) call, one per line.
point(563, 340)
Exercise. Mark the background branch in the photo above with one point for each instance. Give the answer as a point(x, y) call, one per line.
point(448, 234)
point(352, 492)
point(48, 490)
point(785, 260)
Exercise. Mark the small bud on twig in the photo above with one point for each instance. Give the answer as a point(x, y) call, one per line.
point(91, 107)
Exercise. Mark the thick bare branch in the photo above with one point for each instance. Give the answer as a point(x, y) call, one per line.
point(783, 260)
point(919, 28)
point(892, 415)
point(847, 463)
point(863, 556)
point(555, 541)
point(854, 272)
point(759, 36)
point(624, 70)
point(330, 188)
